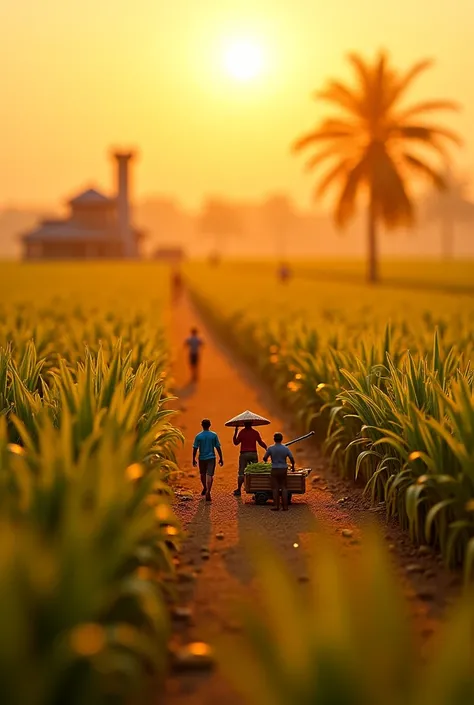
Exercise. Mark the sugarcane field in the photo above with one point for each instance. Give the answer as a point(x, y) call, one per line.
point(136, 569)
point(237, 352)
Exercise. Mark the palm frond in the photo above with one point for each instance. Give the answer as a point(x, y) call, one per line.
point(336, 172)
point(436, 138)
point(402, 85)
point(362, 70)
point(422, 167)
point(376, 97)
point(331, 124)
point(340, 95)
point(381, 73)
point(321, 157)
point(425, 107)
point(321, 135)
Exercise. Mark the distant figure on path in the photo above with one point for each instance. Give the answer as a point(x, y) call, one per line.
point(176, 285)
point(247, 439)
point(279, 454)
point(194, 344)
point(207, 442)
point(214, 259)
point(284, 273)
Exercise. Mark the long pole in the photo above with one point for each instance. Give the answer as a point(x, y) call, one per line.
point(300, 438)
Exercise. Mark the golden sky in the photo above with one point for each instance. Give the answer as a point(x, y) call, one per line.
point(83, 74)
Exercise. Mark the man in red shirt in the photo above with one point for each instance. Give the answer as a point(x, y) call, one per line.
point(247, 439)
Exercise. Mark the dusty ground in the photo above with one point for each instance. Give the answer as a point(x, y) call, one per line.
point(211, 587)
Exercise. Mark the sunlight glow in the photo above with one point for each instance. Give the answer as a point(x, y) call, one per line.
point(244, 60)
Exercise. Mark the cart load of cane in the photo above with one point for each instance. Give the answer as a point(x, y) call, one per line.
point(265, 468)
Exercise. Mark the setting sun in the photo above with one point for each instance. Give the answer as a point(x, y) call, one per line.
point(244, 60)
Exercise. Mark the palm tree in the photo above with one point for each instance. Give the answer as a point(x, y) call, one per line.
point(453, 207)
point(376, 145)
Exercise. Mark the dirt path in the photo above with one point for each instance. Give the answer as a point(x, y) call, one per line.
point(213, 585)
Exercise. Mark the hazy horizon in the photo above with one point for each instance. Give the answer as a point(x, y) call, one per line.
point(313, 234)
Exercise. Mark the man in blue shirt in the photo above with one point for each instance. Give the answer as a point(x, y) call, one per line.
point(207, 442)
point(279, 455)
point(194, 344)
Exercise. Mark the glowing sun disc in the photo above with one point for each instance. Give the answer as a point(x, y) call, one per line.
point(244, 60)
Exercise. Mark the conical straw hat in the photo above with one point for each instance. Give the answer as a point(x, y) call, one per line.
point(254, 419)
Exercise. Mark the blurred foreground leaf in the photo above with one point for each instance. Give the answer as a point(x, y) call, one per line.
point(344, 638)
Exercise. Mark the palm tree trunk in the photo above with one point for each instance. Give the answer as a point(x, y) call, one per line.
point(372, 250)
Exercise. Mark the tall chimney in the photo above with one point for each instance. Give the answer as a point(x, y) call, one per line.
point(123, 203)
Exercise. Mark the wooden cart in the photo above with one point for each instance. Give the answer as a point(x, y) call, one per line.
point(259, 484)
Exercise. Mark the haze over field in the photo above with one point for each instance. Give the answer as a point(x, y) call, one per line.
point(167, 222)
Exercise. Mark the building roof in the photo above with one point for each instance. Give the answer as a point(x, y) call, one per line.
point(90, 197)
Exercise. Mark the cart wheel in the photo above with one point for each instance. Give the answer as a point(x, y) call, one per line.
point(290, 495)
point(261, 498)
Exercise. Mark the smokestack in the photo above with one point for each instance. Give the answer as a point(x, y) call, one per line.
point(123, 203)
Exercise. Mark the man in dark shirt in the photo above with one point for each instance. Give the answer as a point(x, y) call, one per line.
point(247, 439)
point(279, 455)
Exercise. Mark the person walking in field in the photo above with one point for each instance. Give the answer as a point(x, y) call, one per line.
point(206, 443)
point(176, 285)
point(279, 454)
point(194, 344)
point(247, 438)
point(284, 273)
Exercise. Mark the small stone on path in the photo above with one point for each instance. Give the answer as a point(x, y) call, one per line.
point(195, 656)
point(424, 550)
point(426, 594)
point(186, 576)
point(182, 613)
point(347, 533)
point(414, 568)
point(234, 627)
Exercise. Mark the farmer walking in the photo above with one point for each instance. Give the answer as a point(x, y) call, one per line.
point(284, 273)
point(207, 442)
point(176, 285)
point(247, 438)
point(279, 455)
point(194, 344)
